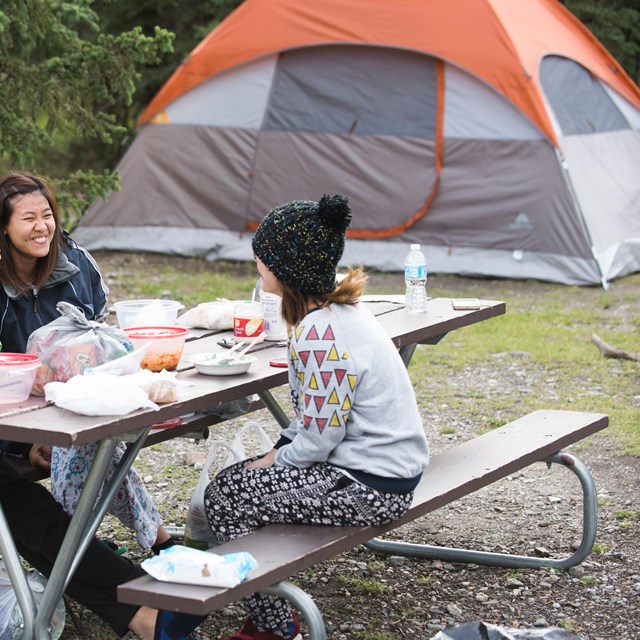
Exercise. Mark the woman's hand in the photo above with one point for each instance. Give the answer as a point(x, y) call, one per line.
point(263, 463)
point(40, 456)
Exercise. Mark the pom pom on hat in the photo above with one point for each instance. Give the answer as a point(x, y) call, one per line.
point(301, 242)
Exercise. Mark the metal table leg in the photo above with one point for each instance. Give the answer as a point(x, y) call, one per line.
point(17, 577)
point(84, 523)
point(305, 604)
point(274, 409)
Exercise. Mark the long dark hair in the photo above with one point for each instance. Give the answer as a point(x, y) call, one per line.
point(15, 184)
point(295, 305)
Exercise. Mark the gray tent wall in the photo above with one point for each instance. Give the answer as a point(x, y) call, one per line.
point(599, 135)
point(285, 127)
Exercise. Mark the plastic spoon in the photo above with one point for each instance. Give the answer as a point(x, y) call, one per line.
point(226, 357)
point(258, 338)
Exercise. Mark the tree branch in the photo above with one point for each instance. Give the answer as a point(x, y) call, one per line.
point(611, 352)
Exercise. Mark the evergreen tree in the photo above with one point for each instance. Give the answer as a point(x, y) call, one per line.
point(61, 80)
point(616, 23)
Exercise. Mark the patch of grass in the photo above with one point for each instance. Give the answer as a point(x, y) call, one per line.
point(568, 624)
point(600, 549)
point(375, 635)
point(447, 431)
point(546, 331)
point(627, 515)
point(365, 586)
point(545, 337)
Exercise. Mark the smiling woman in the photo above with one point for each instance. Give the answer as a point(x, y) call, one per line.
point(30, 241)
point(41, 266)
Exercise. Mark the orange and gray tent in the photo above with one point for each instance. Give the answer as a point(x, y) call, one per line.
point(499, 135)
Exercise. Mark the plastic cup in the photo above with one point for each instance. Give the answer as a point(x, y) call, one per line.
point(248, 319)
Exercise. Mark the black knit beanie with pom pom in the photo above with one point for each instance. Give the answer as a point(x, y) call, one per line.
point(301, 242)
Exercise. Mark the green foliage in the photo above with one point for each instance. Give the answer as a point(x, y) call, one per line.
point(616, 23)
point(61, 78)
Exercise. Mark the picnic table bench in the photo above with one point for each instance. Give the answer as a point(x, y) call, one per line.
point(284, 550)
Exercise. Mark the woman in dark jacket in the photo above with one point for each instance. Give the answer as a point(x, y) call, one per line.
point(40, 266)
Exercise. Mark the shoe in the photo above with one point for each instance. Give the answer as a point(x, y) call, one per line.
point(171, 625)
point(248, 632)
point(114, 547)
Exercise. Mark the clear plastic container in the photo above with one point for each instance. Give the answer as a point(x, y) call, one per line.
point(165, 348)
point(17, 375)
point(145, 313)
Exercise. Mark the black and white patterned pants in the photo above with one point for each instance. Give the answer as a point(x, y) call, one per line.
point(239, 501)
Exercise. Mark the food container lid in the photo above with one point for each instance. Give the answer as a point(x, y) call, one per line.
point(125, 304)
point(18, 359)
point(150, 333)
point(156, 332)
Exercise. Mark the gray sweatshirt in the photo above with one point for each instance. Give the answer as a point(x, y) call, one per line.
point(354, 403)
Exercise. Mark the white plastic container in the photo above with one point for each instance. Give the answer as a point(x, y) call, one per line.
point(17, 375)
point(147, 313)
point(274, 325)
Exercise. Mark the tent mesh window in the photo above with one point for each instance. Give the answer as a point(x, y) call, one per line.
point(354, 91)
point(579, 102)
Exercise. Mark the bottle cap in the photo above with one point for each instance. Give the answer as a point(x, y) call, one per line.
point(415, 247)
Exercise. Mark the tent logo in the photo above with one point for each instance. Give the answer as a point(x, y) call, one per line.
point(521, 222)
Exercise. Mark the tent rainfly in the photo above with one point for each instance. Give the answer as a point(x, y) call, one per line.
point(499, 135)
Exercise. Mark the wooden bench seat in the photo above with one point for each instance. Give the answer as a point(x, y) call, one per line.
point(284, 550)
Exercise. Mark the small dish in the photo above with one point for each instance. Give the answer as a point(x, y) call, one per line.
point(207, 363)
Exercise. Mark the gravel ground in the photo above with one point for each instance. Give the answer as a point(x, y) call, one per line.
point(364, 596)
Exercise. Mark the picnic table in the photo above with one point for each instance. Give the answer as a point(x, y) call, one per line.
point(36, 421)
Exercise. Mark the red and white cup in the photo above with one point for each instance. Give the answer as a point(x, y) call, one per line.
point(248, 320)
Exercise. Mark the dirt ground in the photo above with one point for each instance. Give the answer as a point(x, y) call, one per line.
point(364, 596)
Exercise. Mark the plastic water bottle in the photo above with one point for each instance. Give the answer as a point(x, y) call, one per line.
point(415, 278)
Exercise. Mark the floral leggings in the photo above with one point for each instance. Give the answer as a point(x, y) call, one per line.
point(239, 501)
point(132, 503)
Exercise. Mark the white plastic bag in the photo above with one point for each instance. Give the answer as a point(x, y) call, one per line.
point(253, 434)
point(98, 394)
point(11, 620)
point(192, 566)
point(197, 532)
point(209, 315)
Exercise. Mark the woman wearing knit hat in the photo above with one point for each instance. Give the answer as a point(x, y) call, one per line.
point(356, 448)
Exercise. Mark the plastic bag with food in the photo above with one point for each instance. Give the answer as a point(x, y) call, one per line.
point(71, 344)
point(216, 315)
point(161, 387)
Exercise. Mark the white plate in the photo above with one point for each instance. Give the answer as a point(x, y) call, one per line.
point(207, 363)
